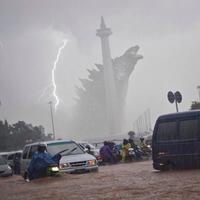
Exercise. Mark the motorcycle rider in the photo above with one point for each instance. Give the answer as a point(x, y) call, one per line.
point(106, 153)
point(125, 147)
point(40, 161)
point(136, 149)
point(144, 147)
point(142, 143)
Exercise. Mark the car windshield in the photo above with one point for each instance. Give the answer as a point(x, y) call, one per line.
point(65, 148)
point(2, 161)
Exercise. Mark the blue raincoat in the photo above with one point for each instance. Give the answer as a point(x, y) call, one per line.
point(40, 162)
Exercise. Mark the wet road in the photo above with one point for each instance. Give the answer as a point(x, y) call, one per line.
point(131, 181)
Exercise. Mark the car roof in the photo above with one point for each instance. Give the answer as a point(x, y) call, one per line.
point(10, 152)
point(192, 113)
point(49, 142)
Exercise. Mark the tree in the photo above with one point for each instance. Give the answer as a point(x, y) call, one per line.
point(14, 137)
point(131, 134)
point(23, 133)
point(195, 105)
point(4, 133)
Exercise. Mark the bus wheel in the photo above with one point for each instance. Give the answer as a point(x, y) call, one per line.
point(168, 166)
point(164, 168)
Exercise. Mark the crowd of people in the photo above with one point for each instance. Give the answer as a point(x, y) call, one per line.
point(109, 153)
point(127, 151)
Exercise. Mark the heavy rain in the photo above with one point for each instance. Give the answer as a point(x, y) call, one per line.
point(99, 99)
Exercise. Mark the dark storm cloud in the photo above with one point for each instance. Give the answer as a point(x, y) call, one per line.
point(17, 16)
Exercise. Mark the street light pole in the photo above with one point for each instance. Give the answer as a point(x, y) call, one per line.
point(53, 129)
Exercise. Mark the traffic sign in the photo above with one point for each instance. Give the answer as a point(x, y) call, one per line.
point(171, 97)
point(178, 96)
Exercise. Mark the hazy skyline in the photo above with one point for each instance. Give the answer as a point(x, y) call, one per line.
point(32, 31)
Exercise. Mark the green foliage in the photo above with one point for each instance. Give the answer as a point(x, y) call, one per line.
point(14, 137)
point(195, 105)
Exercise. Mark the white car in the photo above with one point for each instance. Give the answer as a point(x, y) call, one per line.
point(74, 158)
point(5, 169)
point(93, 149)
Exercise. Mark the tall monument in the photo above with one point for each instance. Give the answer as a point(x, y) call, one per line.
point(101, 98)
point(111, 100)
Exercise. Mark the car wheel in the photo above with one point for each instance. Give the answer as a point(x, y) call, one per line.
point(94, 170)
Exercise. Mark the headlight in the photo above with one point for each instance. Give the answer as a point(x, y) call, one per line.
point(64, 165)
point(91, 162)
point(54, 169)
point(9, 167)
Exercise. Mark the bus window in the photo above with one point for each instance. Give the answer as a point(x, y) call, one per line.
point(189, 129)
point(167, 131)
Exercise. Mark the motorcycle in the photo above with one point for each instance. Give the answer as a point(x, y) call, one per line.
point(134, 153)
point(146, 151)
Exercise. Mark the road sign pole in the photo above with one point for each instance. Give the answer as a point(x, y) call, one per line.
point(176, 106)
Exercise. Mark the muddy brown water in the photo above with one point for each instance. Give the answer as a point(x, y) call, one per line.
point(135, 180)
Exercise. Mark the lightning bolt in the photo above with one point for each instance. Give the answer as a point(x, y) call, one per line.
point(54, 70)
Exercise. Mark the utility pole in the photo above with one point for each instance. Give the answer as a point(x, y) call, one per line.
point(52, 122)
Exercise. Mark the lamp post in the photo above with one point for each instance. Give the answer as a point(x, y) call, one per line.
point(52, 122)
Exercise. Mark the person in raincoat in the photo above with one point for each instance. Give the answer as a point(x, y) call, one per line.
point(106, 153)
point(125, 147)
point(40, 161)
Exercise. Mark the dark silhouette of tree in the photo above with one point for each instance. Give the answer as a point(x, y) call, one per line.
point(14, 137)
point(4, 133)
point(195, 105)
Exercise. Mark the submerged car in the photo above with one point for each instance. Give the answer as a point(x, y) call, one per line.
point(91, 149)
point(74, 158)
point(5, 169)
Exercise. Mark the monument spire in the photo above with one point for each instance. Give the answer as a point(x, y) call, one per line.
point(113, 123)
point(103, 25)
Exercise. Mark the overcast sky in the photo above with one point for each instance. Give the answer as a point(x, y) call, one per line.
point(168, 33)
